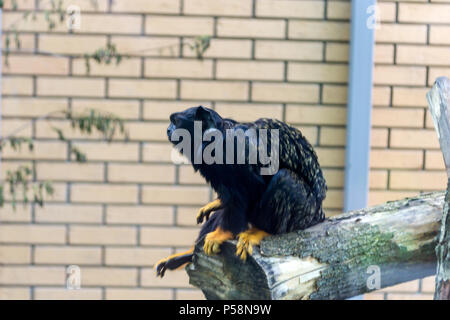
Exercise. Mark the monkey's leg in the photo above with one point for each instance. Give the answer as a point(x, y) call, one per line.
point(205, 211)
point(248, 239)
point(214, 239)
point(173, 262)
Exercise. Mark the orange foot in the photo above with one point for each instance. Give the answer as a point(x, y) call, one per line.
point(248, 239)
point(172, 262)
point(214, 239)
point(206, 211)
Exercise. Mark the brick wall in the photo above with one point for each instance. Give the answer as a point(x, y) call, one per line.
point(129, 205)
point(412, 50)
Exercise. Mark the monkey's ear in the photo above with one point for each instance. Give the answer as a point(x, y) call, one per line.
point(203, 114)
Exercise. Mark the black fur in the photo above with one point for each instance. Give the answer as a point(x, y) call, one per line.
point(289, 200)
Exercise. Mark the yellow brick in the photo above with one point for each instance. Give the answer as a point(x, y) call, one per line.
point(145, 131)
point(142, 88)
point(373, 296)
point(85, 5)
point(144, 257)
point(128, 67)
point(117, 277)
point(32, 234)
point(10, 126)
point(310, 132)
point(434, 160)
point(10, 293)
point(418, 180)
point(146, 46)
point(187, 175)
point(25, 64)
point(332, 136)
point(67, 294)
point(31, 107)
point(67, 255)
point(319, 30)
point(141, 6)
point(288, 50)
point(420, 139)
point(379, 197)
point(331, 157)
point(161, 110)
point(409, 97)
point(15, 254)
point(71, 43)
point(70, 213)
point(285, 92)
point(32, 275)
point(417, 296)
point(223, 48)
point(378, 179)
point(401, 33)
point(428, 284)
point(59, 194)
point(45, 129)
point(186, 216)
point(69, 171)
point(334, 199)
point(338, 52)
point(218, 7)
point(77, 87)
point(334, 94)
point(316, 115)
point(26, 42)
point(396, 159)
point(182, 26)
point(217, 90)
point(252, 70)
point(177, 68)
point(381, 96)
point(338, 10)
point(439, 34)
point(157, 152)
point(100, 235)
point(244, 28)
point(19, 214)
point(125, 109)
point(290, 9)
point(99, 193)
point(426, 13)
point(387, 11)
point(138, 294)
point(392, 117)
point(422, 55)
point(109, 151)
point(189, 294)
point(21, 4)
point(249, 112)
point(176, 279)
point(399, 75)
point(139, 215)
point(334, 178)
point(379, 137)
point(141, 173)
point(103, 23)
point(39, 24)
point(384, 53)
point(436, 72)
point(410, 286)
point(17, 85)
point(175, 195)
point(317, 72)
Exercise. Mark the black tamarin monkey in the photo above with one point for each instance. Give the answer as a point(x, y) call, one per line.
point(251, 205)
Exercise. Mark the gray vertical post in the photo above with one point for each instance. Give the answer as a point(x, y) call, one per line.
point(359, 105)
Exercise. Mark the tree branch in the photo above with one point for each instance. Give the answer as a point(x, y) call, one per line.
point(330, 260)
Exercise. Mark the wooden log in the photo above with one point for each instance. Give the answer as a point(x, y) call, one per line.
point(439, 103)
point(336, 259)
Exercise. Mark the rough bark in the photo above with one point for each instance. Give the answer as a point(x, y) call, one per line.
point(330, 260)
point(439, 103)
